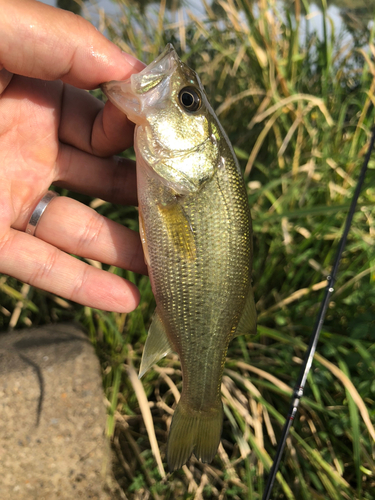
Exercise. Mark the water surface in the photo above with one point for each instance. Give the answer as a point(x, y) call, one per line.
point(355, 17)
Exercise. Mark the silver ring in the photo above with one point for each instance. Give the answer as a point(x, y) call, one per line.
point(39, 211)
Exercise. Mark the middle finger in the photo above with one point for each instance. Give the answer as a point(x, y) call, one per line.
point(88, 124)
point(112, 179)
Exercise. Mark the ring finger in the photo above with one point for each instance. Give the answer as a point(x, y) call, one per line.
point(78, 229)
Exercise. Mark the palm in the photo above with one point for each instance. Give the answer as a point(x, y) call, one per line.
point(30, 129)
point(53, 133)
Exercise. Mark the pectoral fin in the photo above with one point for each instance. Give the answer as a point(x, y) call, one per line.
point(248, 320)
point(157, 345)
point(179, 229)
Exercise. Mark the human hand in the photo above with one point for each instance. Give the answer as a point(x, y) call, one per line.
point(52, 132)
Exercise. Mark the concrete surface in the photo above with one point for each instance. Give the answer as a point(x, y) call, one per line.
point(52, 417)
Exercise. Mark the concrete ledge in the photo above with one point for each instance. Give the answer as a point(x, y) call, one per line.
point(52, 416)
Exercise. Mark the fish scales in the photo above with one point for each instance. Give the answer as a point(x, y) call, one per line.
point(196, 232)
point(206, 295)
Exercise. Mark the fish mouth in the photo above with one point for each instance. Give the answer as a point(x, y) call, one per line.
point(121, 94)
point(133, 96)
point(153, 74)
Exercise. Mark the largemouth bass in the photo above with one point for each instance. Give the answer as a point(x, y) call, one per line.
point(196, 232)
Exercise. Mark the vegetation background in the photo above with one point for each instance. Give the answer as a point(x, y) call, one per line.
point(298, 109)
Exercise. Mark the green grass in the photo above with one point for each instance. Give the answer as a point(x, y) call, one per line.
point(298, 111)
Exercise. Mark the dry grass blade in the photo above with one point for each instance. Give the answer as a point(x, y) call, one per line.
point(316, 101)
point(355, 279)
point(229, 469)
point(256, 410)
point(182, 29)
point(232, 13)
point(94, 263)
point(193, 486)
point(252, 389)
point(162, 6)
point(274, 380)
point(270, 431)
point(229, 101)
point(340, 171)
point(294, 296)
point(199, 24)
point(96, 203)
point(249, 386)
point(268, 126)
point(19, 306)
point(4, 311)
point(146, 414)
point(227, 389)
point(297, 122)
point(169, 381)
point(199, 492)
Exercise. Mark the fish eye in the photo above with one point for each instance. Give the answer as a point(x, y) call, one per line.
point(190, 99)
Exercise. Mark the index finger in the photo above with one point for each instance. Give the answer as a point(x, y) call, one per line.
point(43, 42)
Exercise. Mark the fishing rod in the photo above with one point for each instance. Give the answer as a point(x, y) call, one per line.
point(331, 279)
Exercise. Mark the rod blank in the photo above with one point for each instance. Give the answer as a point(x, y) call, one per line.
point(300, 385)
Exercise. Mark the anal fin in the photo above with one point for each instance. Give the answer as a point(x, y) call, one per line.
point(248, 320)
point(157, 345)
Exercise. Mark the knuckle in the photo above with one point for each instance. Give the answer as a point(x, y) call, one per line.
point(79, 284)
point(44, 269)
point(64, 164)
point(90, 233)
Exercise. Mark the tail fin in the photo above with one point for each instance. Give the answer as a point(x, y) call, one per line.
point(195, 432)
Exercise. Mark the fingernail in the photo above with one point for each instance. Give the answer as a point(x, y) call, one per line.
point(133, 61)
